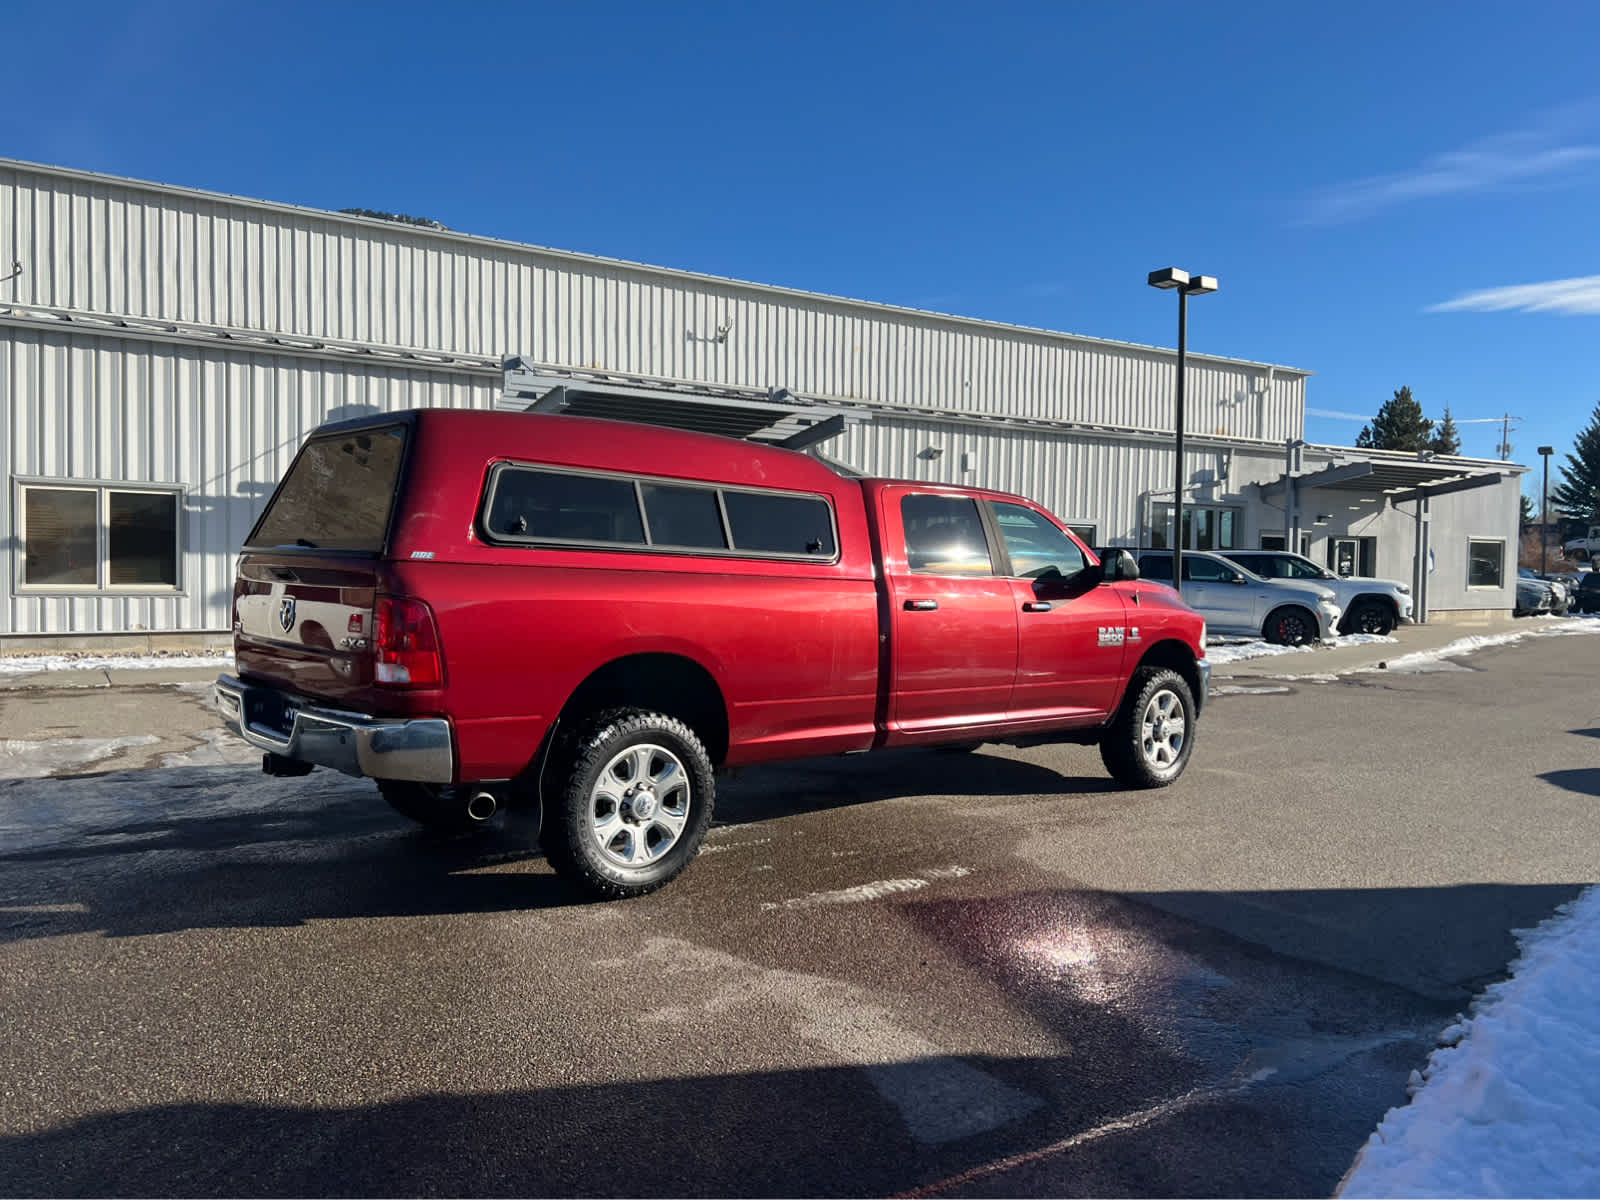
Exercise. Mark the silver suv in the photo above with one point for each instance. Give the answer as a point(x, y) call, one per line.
point(1234, 600)
point(1370, 605)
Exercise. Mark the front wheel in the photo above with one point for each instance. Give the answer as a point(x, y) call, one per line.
point(632, 805)
point(1148, 743)
point(1289, 626)
point(1372, 616)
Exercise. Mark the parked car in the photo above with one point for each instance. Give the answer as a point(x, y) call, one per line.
point(1588, 597)
point(1370, 605)
point(474, 608)
point(1566, 585)
point(1534, 596)
point(1238, 601)
point(1558, 601)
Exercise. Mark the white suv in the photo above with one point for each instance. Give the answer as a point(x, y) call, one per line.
point(1370, 605)
point(1234, 601)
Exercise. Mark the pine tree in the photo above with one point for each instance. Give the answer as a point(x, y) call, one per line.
point(1364, 438)
point(1526, 516)
point(1446, 437)
point(1576, 495)
point(1399, 425)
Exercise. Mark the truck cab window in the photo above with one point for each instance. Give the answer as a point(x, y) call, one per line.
point(1037, 548)
point(944, 536)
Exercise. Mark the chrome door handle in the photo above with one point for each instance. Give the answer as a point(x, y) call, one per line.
point(1036, 606)
point(921, 605)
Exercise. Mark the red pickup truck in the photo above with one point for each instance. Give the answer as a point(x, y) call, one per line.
point(475, 608)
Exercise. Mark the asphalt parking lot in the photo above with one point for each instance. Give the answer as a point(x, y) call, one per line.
point(912, 973)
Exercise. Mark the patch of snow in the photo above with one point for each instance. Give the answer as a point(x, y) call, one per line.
point(1237, 652)
point(1508, 1106)
point(34, 760)
point(863, 892)
point(218, 747)
point(1428, 659)
point(31, 664)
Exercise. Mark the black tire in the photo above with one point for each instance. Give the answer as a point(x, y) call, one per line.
point(1290, 625)
point(432, 805)
point(1139, 747)
point(1371, 616)
point(602, 766)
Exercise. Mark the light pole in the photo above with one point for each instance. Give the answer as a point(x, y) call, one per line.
point(1544, 509)
point(1172, 279)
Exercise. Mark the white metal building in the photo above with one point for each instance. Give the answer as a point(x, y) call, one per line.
point(163, 351)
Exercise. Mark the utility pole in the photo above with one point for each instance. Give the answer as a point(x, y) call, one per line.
point(1504, 448)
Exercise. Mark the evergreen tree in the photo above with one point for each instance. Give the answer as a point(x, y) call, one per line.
point(1399, 425)
point(1446, 437)
point(1526, 516)
point(1575, 496)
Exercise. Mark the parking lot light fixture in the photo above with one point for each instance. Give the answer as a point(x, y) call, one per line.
point(1174, 279)
point(1544, 510)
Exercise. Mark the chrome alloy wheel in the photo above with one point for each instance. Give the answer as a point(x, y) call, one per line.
point(639, 806)
point(1162, 730)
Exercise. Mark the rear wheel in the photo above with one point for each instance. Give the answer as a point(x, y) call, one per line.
point(1148, 742)
point(1372, 616)
point(632, 803)
point(1290, 626)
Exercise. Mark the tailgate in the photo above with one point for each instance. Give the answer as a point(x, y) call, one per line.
point(305, 624)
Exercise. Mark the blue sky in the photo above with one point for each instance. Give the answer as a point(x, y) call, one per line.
point(1365, 179)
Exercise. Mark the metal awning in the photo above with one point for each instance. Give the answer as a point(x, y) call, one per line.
point(778, 417)
point(1399, 481)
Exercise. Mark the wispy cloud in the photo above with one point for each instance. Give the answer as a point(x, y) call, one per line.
point(1562, 142)
point(1571, 297)
point(1335, 415)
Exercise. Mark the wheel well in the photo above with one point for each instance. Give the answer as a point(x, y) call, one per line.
point(1375, 598)
point(1175, 656)
point(664, 683)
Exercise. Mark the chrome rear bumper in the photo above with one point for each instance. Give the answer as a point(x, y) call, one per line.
point(379, 748)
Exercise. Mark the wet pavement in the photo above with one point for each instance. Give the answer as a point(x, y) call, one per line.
point(910, 973)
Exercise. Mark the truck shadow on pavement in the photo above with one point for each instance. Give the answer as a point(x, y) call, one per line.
point(129, 853)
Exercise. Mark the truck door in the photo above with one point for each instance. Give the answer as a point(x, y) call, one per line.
point(1073, 631)
point(953, 624)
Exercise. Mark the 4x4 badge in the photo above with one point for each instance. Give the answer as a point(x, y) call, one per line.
point(286, 613)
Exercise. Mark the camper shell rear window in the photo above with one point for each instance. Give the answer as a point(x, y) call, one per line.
point(338, 494)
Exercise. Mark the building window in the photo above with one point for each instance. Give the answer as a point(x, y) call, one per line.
point(99, 537)
point(1089, 535)
point(1278, 541)
point(1485, 563)
point(1205, 527)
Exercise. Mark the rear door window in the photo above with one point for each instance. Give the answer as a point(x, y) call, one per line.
point(338, 494)
point(945, 536)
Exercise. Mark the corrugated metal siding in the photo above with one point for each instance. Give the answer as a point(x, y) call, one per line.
point(223, 425)
point(104, 247)
point(1093, 479)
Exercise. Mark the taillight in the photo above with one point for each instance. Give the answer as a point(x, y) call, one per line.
point(406, 643)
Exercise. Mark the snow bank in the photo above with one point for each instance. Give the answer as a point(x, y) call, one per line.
point(1511, 1108)
point(29, 664)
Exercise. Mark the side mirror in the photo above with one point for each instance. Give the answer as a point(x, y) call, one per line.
point(1238, 579)
point(1118, 565)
